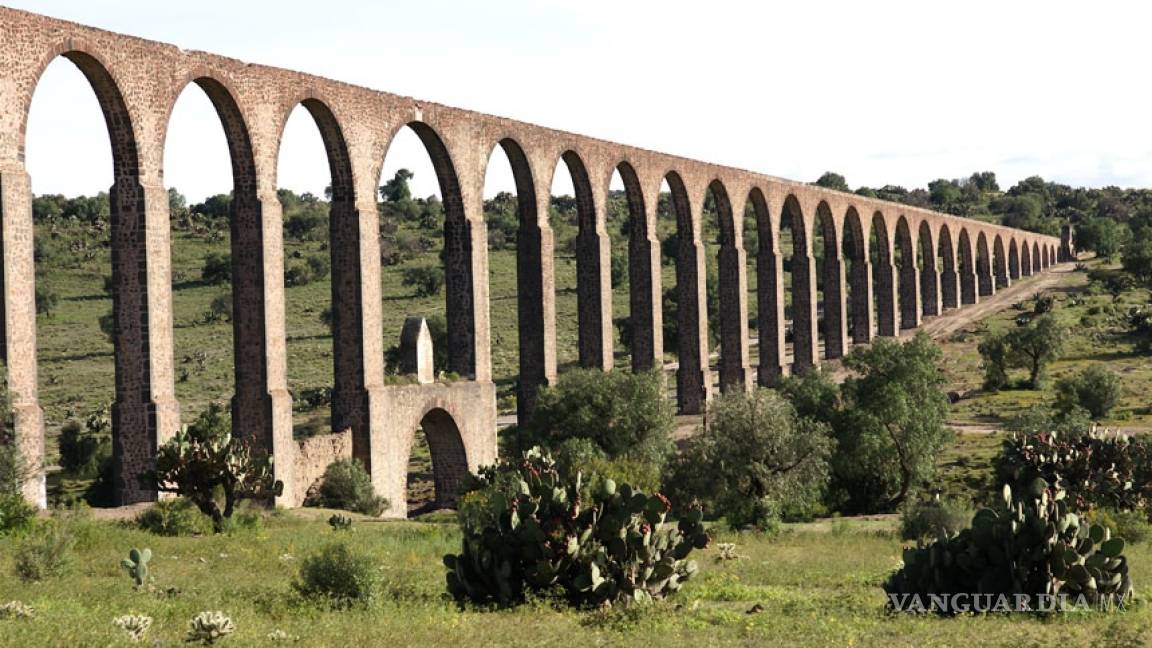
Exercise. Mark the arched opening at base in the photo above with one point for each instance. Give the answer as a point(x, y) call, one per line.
point(437, 464)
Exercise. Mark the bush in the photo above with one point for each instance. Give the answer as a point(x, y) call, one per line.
point(46, 301)
point(1133, 526)
point(45, 552)
point(585, 457)
point(545, 536)
point(339, 577)
point(994, 358)
point(220, 310)
point(16, 514)
point(85, 449)
point(1095, 389)
point(174, 517)
point(346, 485)
point(426, 280)
point(927, 519)
point(1039, 419)
point(625, 414)
point(1034, 544)
point(217, 269)
point(754, 457)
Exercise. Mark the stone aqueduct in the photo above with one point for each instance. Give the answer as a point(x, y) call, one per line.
point(137, 83)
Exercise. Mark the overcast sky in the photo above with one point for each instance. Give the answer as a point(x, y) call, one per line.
point(882, 92)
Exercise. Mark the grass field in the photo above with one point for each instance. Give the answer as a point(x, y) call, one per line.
point(819, 584)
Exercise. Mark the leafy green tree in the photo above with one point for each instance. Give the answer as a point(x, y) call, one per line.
point(427, 280)
point(994, 358)
point(396, 189)
point(985, 181)
point(1035, 345)
point(755, 457)
point(1104, 236)
point(832, 180)
point(892, 426)
point(1137, 258)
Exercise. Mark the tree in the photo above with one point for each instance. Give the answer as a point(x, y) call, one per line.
point(205, 459)
point(1104, 236)
point(755, 457)
point(217, 269)
point(1036, 344)
point(396, 189)
point(832, 180)
point(1137, 258)
point(945, 193)
point(994, 358)
point(892, 426)
point(427, 280)
point(985, 181)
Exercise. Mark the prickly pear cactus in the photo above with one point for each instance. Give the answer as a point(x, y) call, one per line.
point(137, 565)
point(617, 548)
point(1033, 545)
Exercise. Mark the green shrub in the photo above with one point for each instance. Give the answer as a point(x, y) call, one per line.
point(1039, 419)
point(1096, 389)
point(217, 269)
point(929, 518)
point(45, 552)
point(625, 414)
point(174, 517)
point(754, 457)
point(340, 577)
point(220, 310)
point(16, 514)
point(994, 358)
point(544, 537)
point(346, 485)
point(84, 449)
point(1133, 526)
point(425, 280)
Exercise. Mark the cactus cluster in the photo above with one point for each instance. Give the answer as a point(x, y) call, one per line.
point(1098, 467)
point(137, 565)
point(136, 625)
point(1033, 546)
point(613, 545)
point(210, 627)
point(340, 522)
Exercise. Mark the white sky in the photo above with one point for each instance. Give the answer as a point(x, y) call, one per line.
point(882, 92)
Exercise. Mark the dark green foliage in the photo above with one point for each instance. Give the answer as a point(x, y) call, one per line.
point(625, 414)
point(425, 280)
point(220, 310)
point(814, 394)
point(174, 517)
point(16, 514)
point(1035, 345)
point(755, 457)
point(1133, 526)
point(927, 519)
point(1140, 326)
point(340, 577)
point(832, 180)
point(1137, 257)
point(1038, 419)
point(994, 357)
point(584, 456)
point(1104, 236)
point(1095, 389)
point(346, 485)
point(1098, 468)
point(613, 545)
point(340, 522)
point(46, 301)
point(206, 464)
point(217, 269)
point(85, 449)
point(1034, 544)
point(315, 268)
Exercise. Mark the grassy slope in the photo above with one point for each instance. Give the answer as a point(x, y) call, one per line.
point(819, 585)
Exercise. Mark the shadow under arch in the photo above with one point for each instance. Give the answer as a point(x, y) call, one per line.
point(693, 383)
point(593, 306)
point(968, 291)
point(855, 252)
point(929, 274)
point(733, 288)
point(1013, 260)
point(803, 293)
point(1000, 263)
point(449, 458)
point(883, 276)
point(984, 280)
point(949, 279)
point(909, 297)
point(831, 284)
point(769, 293)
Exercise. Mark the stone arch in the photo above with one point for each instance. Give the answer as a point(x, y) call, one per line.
point(855, 253)
point(593, 264)
point(769, 293)
point(1000, 263)
point(1013, 260)
point(459, 282)
point(733, 287)
point(254, 398)
point(693, 383)
point(1037, 259)
point(535, 289)
point(835, 324)
point(802, 267)
point(1025, 259)
point(949, 279)
point(968, 288)
point(929, 275)
point(645, 320)
point(905, 245)
point(985, 281)
point(883, 277)
point(449, 456)
point(144, 412)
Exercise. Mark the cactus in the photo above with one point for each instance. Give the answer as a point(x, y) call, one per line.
point(340, 522)
point(1033, 544)
point(210, 627)
point(617, 547)
point(137, 565)
point(136, 625)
